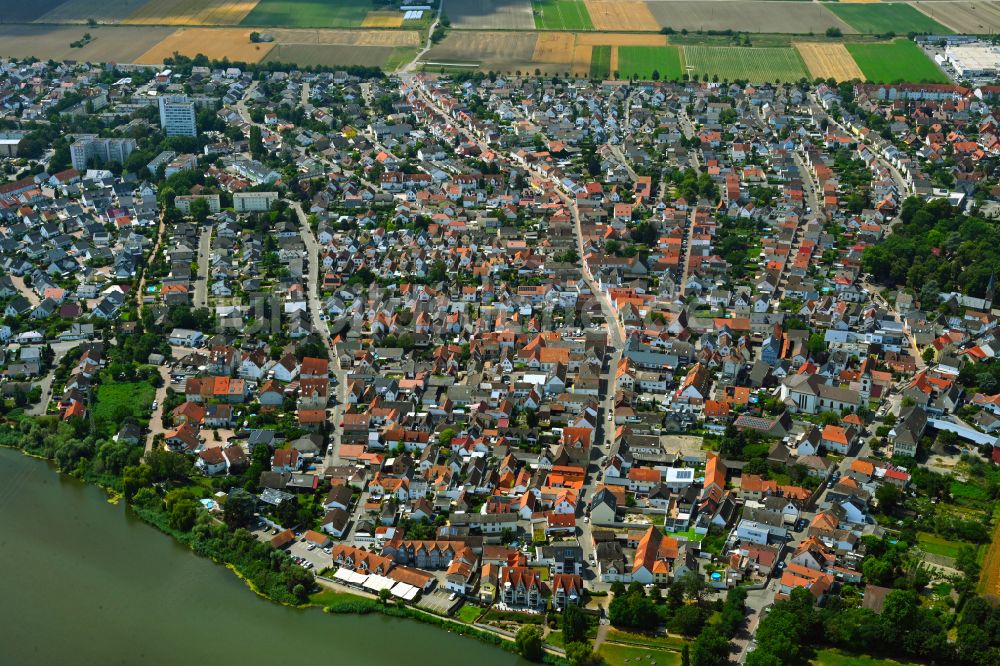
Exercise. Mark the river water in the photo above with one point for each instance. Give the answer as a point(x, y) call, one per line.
point(83, 582)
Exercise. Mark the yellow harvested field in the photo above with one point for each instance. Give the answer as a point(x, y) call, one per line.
point(192, 12)
point(614, 59)
point(216, 43)
point(598, 39)
point(376, 19)
point(345, 37)
point(829, 60)
point(561, 50)
point(555, 47)
point(624, 15)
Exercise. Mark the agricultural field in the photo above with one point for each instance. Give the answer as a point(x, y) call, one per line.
point(561, 15)
point(216, 43)
point(18, 11)
point(102, 11)
point(642, 60)
point(901, 60)
point(498, 51)
point(600, 62)
point(624, 15)
point(752, 64)
point(558, 52)
point(385, 19)
point(333, 36)
point(989, 580)
point(981, 18)
point(490, 14)
point(339, 55)
point(883, 17)
point(110, 43)
point(191, 12)
point(827, 60)
point(308, 13)
point(748, 16)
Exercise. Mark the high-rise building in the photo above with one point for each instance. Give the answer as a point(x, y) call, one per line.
point(177, 117)
point(102, 151)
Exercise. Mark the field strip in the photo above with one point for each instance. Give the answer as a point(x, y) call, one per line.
point(940, 17)
point(215, 43)
point(555, 48)
point(345, 37)
point(623, 15)
point(829, 60)
point(191, 12)
point(989, 581)
point(382, 20)
point(620, 39)
point(614, 60)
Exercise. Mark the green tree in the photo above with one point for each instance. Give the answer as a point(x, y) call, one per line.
point(239, 508)
point(574, 624)
point(582, 654)
point(135, 477)
point(183, 514)
point(529, 642)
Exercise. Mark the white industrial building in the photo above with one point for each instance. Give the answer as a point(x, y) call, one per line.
point(974, 60)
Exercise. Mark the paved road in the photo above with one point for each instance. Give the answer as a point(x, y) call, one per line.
point(156, 425)
point(412, 65)
point(59, 350)
point(322, 328)
point(204, 268)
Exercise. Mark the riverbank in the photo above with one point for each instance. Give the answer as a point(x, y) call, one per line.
point(214, 541)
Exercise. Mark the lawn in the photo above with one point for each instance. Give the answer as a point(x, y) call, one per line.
point(884, 17)
point(753, 64)
point(561, 15)
point(469, 613)
point(902, 60)
point(644, 61)
point(936, 545)
point(600, 62)
point(617, 655)
point(644, 640)
point(326, 597)
point(840, 658)
point(119, 401)
point(308, 13)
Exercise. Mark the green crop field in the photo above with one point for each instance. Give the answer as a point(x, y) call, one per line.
point(308, 13)
point(752, 64)
point(642, 61)
point(878, 18)
point(561, 15)
point(902, 60)
point(600, 62)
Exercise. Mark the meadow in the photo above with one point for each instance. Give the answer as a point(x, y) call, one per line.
point(308, 13)
point(600, 62)
point(901, 60)
point(752, 64)
point(561, 15)
point(884, 17)
point(641, 61)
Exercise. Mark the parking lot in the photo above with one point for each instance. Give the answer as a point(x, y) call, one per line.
point(438, 602)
